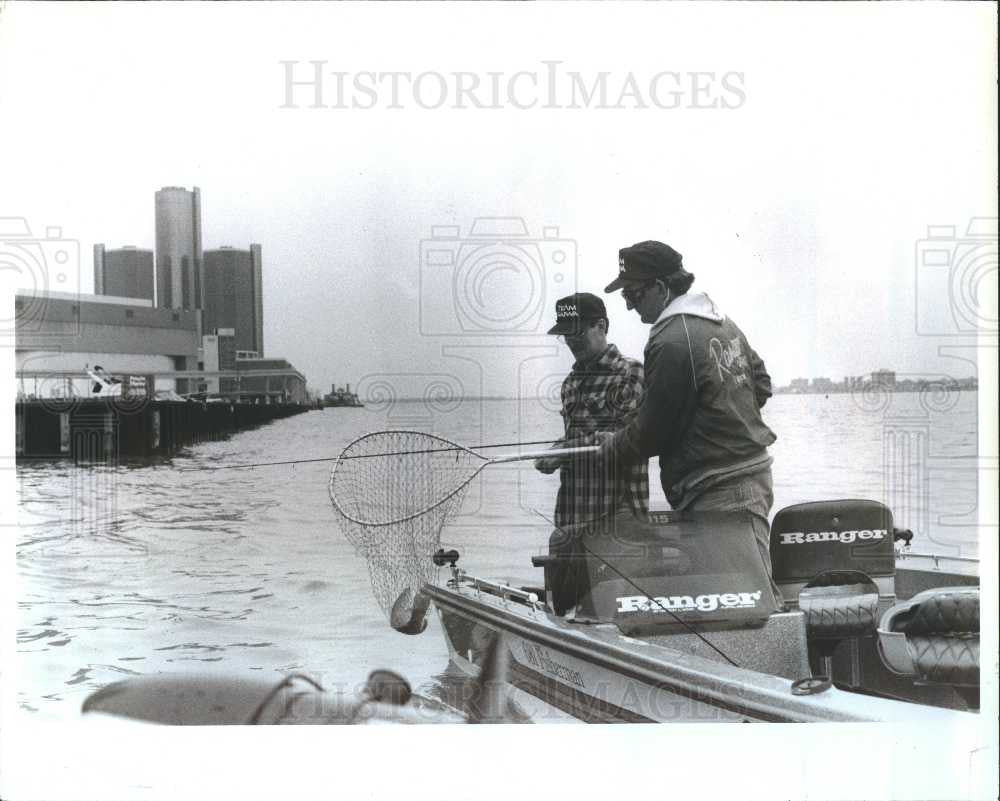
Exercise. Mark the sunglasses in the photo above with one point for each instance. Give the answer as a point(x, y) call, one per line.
point(578, 334)
point(634, 294)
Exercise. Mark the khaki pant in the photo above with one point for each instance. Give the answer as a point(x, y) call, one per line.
point(752, 493)
point(566, 579)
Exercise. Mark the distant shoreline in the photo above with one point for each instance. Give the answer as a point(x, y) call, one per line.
point(781, 391)
point(375, 401)
point(887, 390)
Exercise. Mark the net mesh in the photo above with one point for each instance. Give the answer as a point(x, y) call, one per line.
point(392, 492)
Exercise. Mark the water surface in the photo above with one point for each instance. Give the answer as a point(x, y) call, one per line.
point(174, 567)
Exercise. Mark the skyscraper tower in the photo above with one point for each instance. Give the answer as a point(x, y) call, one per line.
point(178, 248)
point(232, 295)
point(124, 272)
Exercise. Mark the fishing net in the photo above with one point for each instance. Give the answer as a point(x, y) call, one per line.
point(393, 492)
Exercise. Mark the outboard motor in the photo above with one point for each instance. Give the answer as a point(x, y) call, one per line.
point(672, 576)
point(675, 570)
point(835, 560)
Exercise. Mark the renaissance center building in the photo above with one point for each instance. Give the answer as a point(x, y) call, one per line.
point(178, 248)
point(232, 296)
point(125, 272)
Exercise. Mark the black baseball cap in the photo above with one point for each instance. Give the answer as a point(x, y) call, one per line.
point(643, 261)
point(572, 310)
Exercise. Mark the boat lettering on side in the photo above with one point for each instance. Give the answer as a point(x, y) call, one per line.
point(540, 659)
point(701, 603)
point(846, 537)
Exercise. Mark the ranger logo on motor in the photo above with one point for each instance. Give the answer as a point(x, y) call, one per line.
point(846, 537)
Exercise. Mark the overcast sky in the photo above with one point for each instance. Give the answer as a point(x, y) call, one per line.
point(837, 136)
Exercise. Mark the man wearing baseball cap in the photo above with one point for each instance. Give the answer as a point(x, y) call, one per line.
point(704, 389)
point(601, 393)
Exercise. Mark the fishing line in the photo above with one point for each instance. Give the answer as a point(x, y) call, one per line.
point(645, 594)
point(367, 456)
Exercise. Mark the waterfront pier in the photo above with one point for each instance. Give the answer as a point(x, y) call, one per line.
point(118, 429)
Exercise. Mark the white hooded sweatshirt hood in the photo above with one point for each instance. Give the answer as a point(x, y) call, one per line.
point(696, 304)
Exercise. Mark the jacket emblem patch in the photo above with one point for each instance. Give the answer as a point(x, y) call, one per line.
point(729, 359)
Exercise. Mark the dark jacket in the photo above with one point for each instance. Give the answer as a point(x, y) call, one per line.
point(704, 387)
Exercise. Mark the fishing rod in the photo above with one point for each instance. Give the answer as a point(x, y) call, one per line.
point(372, 455)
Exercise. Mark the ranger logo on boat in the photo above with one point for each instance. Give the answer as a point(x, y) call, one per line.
point(701, 603)
point(847, 537)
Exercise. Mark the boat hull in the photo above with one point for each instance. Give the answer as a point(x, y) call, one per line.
point(595, 674)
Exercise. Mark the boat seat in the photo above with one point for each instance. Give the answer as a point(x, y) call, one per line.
point(838, 604)
point(934, 637)
point(835, 560)
point(810, 539)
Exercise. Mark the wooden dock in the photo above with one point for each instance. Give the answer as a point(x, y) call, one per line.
point(112, 430)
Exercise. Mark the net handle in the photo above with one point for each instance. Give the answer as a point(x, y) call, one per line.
point(551, 453)
point(510, 457)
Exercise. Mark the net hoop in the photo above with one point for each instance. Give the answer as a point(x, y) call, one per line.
point(331, 490)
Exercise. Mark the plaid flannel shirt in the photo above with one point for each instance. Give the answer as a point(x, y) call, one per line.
point(601, 395)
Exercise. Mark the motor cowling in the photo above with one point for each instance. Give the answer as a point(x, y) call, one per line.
point(675, 570)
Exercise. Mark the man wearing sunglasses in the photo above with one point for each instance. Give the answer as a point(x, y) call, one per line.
point(704, 388)
point(601, 393)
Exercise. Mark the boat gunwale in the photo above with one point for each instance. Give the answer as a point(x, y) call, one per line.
point(928, 562)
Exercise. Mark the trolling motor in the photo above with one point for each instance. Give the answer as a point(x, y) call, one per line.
point(903, 535)
point(443, 557)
